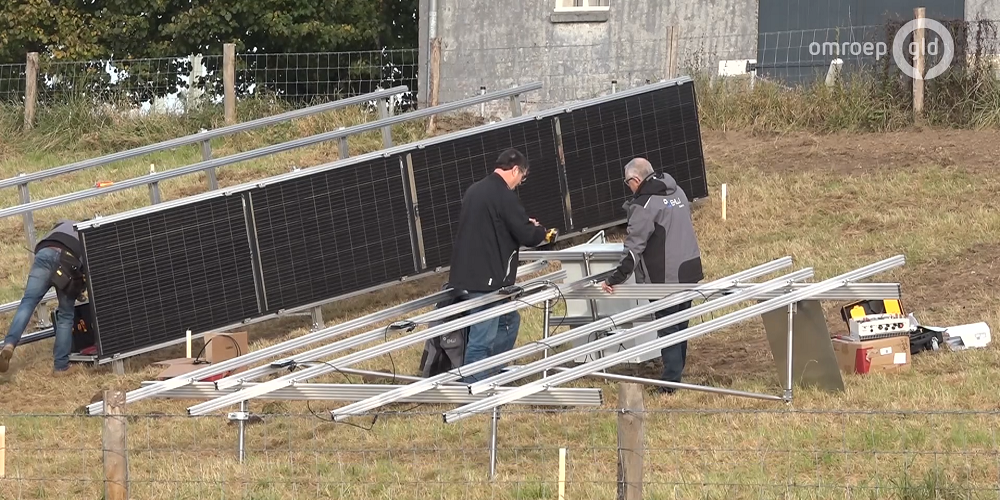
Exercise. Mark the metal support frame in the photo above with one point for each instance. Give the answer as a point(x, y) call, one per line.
point(316, 313)
point(293, 344)
point(206, 154)
point(446, 394)
point(203, 137)
point(546, 290)
point(370, 336)
point(534, 347)
point(385, 111)
point(674, 339)
point(262, 152)
point(631, 334)
point(29, 218)
point(851, 291)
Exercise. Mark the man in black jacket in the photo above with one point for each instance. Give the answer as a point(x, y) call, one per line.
point(58, 262)
point(491, 229)
point(661, 247)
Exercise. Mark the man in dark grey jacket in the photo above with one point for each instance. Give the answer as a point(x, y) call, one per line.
point(661, 247)
point(58, 262)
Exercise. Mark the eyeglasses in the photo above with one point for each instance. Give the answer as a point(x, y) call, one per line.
point(629, 180)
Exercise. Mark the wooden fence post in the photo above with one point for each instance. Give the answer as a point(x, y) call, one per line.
point(3, 452)
point(114, 444)
point(30, 90)
point(919, 63)
point(672, 52)
point(434, 80)
point(631, 441)
point(229, 81)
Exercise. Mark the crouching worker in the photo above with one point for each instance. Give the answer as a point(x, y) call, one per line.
point(661, 247)
point(58, 263)
point(492, 227)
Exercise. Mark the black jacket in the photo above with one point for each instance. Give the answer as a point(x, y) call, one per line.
point(491, 229)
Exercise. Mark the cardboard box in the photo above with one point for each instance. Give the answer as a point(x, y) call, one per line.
point(222, 346)
point(880, 355)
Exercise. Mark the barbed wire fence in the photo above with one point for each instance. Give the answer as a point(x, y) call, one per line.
point(693, 453)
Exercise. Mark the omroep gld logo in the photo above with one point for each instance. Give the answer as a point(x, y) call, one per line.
point(947, 44)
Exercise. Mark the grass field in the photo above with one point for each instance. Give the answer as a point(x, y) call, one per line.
point(834, 202)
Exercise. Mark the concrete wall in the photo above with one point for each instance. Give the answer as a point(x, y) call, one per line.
point(500, 44)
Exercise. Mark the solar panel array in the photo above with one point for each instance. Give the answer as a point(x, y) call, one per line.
point(286, 244)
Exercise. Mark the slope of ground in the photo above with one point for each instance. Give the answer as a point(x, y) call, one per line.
point(834, 202)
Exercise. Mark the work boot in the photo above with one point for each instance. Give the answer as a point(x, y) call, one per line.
point(5, 354)
point(71, 370)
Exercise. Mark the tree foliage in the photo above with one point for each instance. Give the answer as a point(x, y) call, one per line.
point(121, 30)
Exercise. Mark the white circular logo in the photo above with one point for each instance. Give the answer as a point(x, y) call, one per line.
point(933, 48)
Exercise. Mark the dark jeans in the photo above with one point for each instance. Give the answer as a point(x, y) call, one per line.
point(489, 338)
point(39, 282)
point(675, 355)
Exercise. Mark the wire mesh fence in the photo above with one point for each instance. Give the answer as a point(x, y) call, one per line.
point(696, 453)
point(173, 84)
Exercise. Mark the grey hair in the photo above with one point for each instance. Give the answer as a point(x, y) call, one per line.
point(640, 168)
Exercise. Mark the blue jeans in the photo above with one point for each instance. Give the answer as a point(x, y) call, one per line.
point(489, 338)
point(39, 282)
point(674, 356)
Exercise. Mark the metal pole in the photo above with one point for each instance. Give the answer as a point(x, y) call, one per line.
point(29, 218)
point(679, 385)
point(317, 318)
point(494, 424)
point(206, 154)
point(244, 407)
point(154, 187)
point(788, 355)
point(385, 111)
point(545, 332)
point(482, 105)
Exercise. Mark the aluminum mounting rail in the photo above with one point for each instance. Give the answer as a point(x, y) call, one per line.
point(560, 338)
point(264, 151)
point(202, 136)
point(674, 339)
point(12, 306)
point(378, 333)
point(549, 293)
point(573, 254)
point(354, 392)
point(852, 291)
point(289, 345)
point(635, 332)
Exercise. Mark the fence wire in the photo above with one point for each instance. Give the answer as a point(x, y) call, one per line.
point(411, 454)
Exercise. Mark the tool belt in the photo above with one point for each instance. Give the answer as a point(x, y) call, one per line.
point(69, 276)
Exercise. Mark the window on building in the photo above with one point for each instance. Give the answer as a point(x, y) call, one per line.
point(583, 4)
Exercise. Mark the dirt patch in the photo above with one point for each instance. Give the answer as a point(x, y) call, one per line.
point(957, 282)
point(854, 153)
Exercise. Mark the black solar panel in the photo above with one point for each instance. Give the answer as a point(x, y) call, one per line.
point(442, 172)
point(661, 126)
point(332, 233)
point(155, 276)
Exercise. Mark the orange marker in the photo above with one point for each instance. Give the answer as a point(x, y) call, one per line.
point(102, 184)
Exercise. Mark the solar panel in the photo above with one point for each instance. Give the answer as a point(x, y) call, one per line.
point(444, 171)
point(155, 276)
point(598, 140)
point(332, 233)
point(212, 263)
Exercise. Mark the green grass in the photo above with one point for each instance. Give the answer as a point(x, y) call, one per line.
point(929, 432)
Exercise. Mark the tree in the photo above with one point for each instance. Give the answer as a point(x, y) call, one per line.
point(75, 30)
